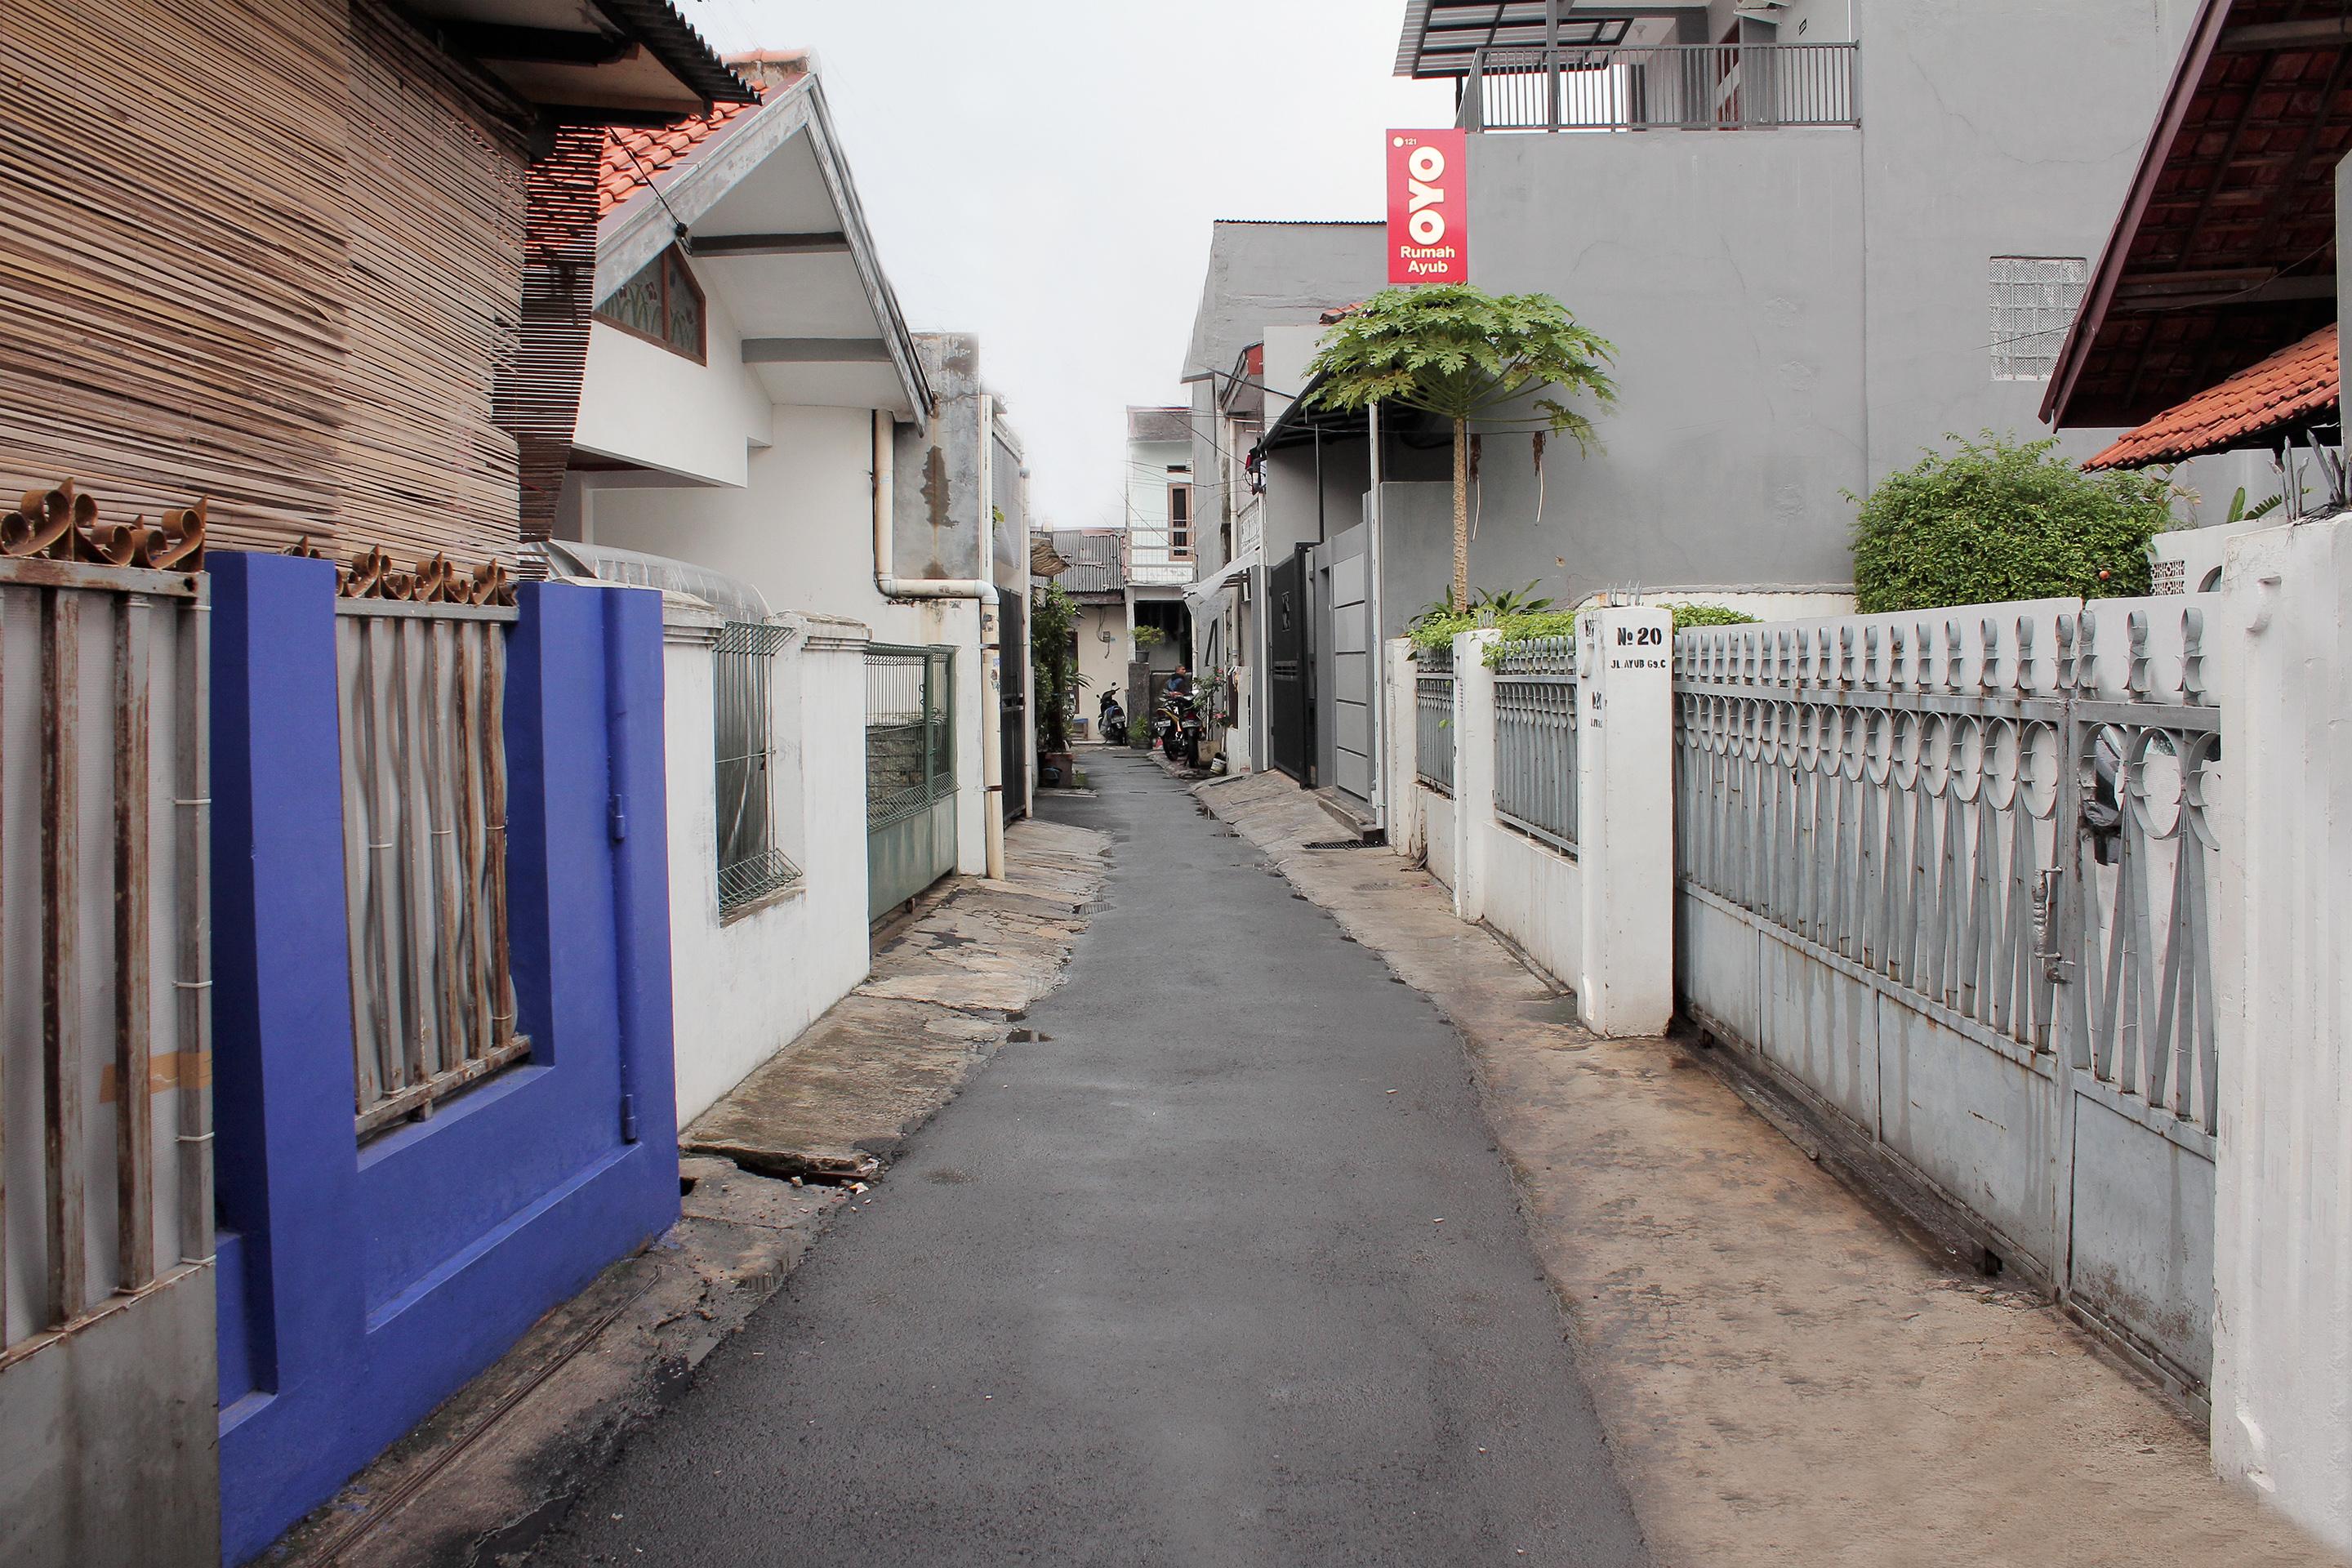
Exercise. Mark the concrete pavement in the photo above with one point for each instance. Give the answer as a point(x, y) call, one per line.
point(1220, 1266)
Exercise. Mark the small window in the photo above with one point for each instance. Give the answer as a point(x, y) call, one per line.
point(751, 866)
point(1180, 521)
point(662, 304)
point(2034, 299)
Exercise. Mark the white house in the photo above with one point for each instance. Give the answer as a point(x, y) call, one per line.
point(1159, 539)
point(762, 435)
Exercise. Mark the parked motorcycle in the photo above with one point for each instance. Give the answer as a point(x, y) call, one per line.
point(1179, 729)
point(1111, 721)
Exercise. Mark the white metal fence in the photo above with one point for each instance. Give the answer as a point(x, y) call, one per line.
point(1536, 740)
point(106, 1064)
point(1433, 752)
point(422, 692)
point(1952, 873)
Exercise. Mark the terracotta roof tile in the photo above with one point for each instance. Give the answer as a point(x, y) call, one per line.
point(2287, 388)
point(632, 157)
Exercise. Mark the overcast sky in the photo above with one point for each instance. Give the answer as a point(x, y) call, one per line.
point(1044, 173)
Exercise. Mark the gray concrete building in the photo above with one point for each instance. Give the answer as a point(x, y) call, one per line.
point(1822, 234)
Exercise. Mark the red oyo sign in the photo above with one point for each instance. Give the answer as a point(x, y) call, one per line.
point(1429, 207)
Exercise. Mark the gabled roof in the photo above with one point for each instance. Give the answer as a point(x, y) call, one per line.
point(773, 223)
point(2225, 248)
point(2286, 391)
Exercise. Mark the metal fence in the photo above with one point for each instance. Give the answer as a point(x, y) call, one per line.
point(1977, 818)
point(910, 777)
point(1711, 87)
point(751, 864)
point(1535, 740)
point(1433, 692)
point(425, 850)
point(105, 1061)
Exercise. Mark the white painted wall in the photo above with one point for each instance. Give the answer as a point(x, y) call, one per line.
point(1150, 558)
point(801, 528)
point(742, 988)
point(644, 403)
point(2281, 1381)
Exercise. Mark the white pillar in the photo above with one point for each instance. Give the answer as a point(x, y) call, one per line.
point(1474, 771)
point(1399, 734)
point(2281, 1380)
point(1625, 830)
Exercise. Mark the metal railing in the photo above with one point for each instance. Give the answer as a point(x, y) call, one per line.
point(423, 690)
point(105, 972)
point(1535, 740)
point(1707, 87)
point(909, 731)
point(2008, 829)
point(750, 863)
point(1432, 710)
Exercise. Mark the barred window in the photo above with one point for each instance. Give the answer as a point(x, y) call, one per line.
point(751, 866)
point(2034, 299)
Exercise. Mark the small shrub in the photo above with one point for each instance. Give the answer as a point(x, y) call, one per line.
point(1430, 630)
point(1997, 519)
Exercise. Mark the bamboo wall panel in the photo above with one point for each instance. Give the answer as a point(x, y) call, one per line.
point(272, 253)
point(540, 400)
point(437, 264)
point(172, 246)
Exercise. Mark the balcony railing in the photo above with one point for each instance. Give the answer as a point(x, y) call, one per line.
point(1713, 87)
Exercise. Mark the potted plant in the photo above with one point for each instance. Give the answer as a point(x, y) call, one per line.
point(1053, 655)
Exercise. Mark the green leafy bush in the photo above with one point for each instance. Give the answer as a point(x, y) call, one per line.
point(1431, 629)
point(1998, 519)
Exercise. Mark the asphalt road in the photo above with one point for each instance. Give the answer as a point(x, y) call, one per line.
point(1167, 1285)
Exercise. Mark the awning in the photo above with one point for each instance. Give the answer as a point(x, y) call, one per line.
point(1201, 593)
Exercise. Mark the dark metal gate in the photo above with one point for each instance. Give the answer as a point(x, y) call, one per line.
point(1290, 705)
point(1012, 640)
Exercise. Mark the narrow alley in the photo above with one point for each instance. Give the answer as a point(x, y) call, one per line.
point(1220, 1266)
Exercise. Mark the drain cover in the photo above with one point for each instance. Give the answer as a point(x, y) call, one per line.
point(1343, 844)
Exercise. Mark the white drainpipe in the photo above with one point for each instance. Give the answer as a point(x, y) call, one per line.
point(890, 585)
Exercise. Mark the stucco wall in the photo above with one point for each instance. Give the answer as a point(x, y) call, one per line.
point(1798, 313)
point(743, 988)
point(1101, 665)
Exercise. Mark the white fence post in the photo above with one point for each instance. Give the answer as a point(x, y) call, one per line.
point(1397, 740)
point(2282, 1233)
point(1474, 771)
point(1625, 833)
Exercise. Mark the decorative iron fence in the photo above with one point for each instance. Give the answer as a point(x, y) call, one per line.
point(1711, 87)
point(750, 865)
point(425, 850)
point(105, 972)
point(1433, 691)
point(1975, 817)
point(1535, 740)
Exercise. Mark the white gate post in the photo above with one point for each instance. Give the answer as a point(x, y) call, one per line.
point(2281, 1231)
point(1474, 771)
point(1398, 738)
point(1625, 830)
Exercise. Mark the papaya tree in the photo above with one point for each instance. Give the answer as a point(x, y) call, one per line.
point(1458, 353)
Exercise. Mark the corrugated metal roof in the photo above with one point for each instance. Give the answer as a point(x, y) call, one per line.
point(1094, 558)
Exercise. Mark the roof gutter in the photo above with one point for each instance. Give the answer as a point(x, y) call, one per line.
point(890, 585)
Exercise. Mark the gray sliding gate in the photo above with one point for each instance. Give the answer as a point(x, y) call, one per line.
point(910, 828)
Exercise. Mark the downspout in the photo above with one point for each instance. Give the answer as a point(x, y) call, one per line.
point(1377, 652)
point(890, 585)
point(624, 875)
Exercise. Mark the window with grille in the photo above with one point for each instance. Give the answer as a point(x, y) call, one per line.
point(1180, 521)
point(750, 865)
point(662, 304)
point(2034, 299)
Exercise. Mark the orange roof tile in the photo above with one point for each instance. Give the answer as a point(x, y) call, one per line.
point(2287, 388)
point(631, 157)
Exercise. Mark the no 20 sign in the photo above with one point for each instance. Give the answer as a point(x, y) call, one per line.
point(1429, 207)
